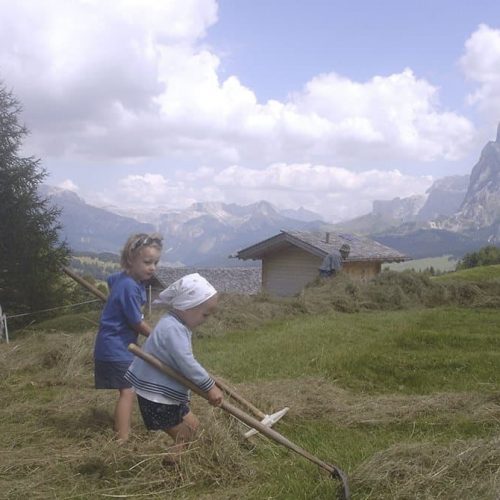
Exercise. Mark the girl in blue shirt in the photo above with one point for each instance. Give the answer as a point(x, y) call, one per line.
point(121, 322)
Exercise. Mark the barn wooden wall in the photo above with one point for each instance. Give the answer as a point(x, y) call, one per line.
point(287, 272)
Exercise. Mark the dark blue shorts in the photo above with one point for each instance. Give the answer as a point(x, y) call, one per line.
point(159, 416)
point(110, 374)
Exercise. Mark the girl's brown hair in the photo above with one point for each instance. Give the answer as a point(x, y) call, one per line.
point(134, 244)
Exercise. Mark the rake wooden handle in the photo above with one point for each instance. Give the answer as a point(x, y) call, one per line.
point(241, 415)
point(85, 284)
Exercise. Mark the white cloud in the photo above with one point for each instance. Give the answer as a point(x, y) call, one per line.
point(149, 191)
point(131, 79)
point(88, 71)
point(336, 193)
point(397, 116)
point(481, 64)
point(143, 187)
point(391, 118)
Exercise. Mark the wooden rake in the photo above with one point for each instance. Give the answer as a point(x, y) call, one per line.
point(333, 470)
point(263, 426)
point(268, 420)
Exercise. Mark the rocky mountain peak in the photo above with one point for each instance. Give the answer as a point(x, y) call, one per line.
point(444, 197)
point(399, 208)
point(452, 183)
point(60, 193)
point(481, 206)
point(487, 169)
point(479, 212)
point(264, 208)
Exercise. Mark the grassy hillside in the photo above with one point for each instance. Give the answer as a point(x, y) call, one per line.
point(98, 265)
point(407, 402)
point(478, 274)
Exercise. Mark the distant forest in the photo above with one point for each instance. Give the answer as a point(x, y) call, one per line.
point(97, 265)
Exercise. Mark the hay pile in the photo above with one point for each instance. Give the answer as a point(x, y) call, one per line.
point(58, 442)
point(393, 290)
point(57, 438)
point(314, 397)
point(464, 469)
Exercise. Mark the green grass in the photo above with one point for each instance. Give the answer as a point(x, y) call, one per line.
point(414, 352)
point(480, 273)
point(406, 402)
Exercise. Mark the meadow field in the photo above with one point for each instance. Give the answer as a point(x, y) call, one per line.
point(399, 389)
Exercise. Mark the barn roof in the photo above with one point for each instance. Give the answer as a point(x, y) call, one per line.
point(321, 244)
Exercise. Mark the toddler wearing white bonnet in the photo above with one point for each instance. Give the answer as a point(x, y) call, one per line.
point(187, 292)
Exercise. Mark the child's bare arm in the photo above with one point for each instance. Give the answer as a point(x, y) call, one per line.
point(143, 328)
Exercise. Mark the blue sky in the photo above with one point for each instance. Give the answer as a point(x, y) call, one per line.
point(151, 105)
point(295, 40)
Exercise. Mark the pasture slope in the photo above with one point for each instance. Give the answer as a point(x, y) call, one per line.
point(406, 401)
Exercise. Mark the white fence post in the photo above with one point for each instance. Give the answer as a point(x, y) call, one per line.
point(5, 328)
point(4, 332)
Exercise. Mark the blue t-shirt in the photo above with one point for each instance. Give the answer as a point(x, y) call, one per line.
point(122, 310)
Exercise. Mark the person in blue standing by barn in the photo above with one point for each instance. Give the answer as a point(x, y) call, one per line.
point(121, 322)
point(332, 263)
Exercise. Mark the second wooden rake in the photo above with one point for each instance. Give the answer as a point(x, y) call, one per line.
point(333, 470)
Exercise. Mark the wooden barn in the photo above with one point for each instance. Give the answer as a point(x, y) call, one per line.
point(291, 259)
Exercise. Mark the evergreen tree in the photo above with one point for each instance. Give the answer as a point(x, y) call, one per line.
point(486, 256)
point(31, 254)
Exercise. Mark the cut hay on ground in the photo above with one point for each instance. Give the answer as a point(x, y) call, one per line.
point(466, 469)
point(57, 433)
point(57, 440)
point(311, 398)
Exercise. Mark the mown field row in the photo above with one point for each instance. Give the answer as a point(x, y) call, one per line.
point(406, 402)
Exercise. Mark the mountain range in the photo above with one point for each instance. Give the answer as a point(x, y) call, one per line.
point(204, 234)
point(89, 228)
point(460, 213)
point(456, 215)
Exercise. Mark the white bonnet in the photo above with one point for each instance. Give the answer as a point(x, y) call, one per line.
point(188, 292)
